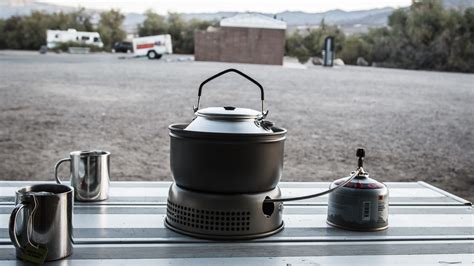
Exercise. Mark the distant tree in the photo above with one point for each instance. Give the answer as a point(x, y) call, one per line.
point(2, 34)
point(154, 24)
point(380, 44)
point(29, 32)
point(292, 42)
point(181, 31)
point(313, 40)
point(110, 27)
point(12, 32)
point(461, 40)
point(33, 30)
point(353, 48)
point(176, 28)
point(301, 53)
point(79, 20)
point(187, 45)
point(294, 46)
point(424, 36)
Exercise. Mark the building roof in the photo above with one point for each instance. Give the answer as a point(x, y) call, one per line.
point(253, 21)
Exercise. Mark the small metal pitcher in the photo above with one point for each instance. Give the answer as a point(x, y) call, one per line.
point(90, 174)
point(43, 216)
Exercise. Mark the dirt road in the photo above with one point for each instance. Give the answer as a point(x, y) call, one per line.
point(415, 125)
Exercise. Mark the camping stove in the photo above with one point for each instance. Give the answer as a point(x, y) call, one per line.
point(223, 216)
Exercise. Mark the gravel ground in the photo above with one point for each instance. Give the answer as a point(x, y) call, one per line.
point(415, 125)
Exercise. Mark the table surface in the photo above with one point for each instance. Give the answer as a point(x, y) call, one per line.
point(426, 225)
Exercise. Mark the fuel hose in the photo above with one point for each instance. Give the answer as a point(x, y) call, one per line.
point(352, 176)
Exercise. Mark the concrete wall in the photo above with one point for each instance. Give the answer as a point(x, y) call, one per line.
point(240, 45)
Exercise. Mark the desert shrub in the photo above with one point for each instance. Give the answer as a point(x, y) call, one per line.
point(353, 48)
point(423, 36)
point(110, 28)
point(181, 31)
point(29, 32)
point(302, 54)
point(311, 41)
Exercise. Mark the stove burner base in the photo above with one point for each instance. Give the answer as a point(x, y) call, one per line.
point(223, 216)
point(217, 237)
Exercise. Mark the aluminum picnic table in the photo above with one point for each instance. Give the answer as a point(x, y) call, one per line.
point(426, 226)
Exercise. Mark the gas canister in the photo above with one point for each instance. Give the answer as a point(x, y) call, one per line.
point(362, 204)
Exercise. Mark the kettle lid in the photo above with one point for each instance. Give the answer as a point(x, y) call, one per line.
point(228, 112)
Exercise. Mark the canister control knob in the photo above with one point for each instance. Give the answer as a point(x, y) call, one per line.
point(361, 154)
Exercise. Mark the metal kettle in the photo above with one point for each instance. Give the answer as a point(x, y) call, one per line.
point(230, 119)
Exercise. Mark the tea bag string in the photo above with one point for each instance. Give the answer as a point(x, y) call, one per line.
point(352, 176)
point(29, 228)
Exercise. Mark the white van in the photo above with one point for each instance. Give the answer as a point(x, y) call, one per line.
point(152, 46)
point(55, 37)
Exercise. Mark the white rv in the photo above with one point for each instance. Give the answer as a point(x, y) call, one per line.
point(153, 46)
point(55, 37)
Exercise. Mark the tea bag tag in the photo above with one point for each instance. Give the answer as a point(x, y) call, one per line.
point(34, 255)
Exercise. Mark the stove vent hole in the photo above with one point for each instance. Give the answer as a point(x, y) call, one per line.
point(208, 220)
point(268, 208)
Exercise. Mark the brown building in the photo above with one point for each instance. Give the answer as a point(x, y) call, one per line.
point(245, 38)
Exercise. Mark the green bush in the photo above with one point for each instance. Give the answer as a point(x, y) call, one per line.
point(29, 32)
point(302, 54)
point(312, 41)
point(423, 36)
point(110, 28)
point(181, 31)
point(353, 48)
point(154, 24)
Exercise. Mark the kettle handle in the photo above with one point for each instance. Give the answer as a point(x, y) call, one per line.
point(262, 94)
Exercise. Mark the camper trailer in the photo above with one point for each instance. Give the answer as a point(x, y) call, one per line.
point(152, 46)
point(55, 37)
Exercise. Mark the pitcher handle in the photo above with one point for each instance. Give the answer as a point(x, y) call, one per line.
point(56, 167)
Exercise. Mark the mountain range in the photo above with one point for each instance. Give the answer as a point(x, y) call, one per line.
point(349, 21)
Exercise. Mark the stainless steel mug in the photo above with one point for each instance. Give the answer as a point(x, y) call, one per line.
point(90, 174)
point(43, 216)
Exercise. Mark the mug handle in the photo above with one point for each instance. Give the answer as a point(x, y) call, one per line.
point(56, 167)
point(12, 225)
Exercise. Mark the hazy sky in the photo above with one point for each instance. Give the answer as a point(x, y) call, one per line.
point(269, 6)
